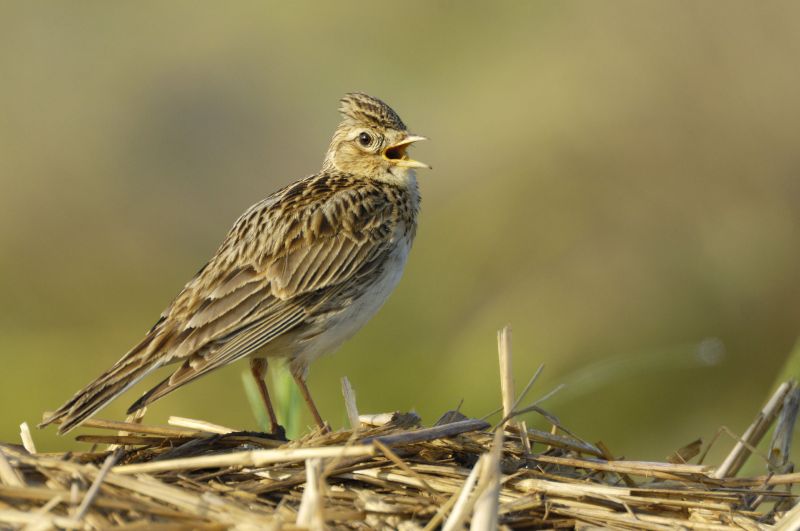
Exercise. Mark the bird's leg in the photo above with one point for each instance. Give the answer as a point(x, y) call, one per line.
point(301, 383)
point(258, 366)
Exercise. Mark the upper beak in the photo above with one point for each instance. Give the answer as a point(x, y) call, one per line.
point(396, 153)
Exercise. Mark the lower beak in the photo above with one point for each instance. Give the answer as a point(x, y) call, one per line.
point(396, 153)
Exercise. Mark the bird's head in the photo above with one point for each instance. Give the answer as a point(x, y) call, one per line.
point(372, 141)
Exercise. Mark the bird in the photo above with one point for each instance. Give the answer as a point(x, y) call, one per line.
point(299, 273)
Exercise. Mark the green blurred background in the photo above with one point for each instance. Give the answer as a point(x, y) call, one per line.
point(617, 180)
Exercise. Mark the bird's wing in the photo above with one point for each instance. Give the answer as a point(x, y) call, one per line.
point(308, 241)
point(283, 257)
point(298, 253)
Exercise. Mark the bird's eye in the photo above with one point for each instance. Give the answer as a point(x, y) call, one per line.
point(364, 139)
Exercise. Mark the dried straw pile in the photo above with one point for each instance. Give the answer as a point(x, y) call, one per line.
point(390, 474)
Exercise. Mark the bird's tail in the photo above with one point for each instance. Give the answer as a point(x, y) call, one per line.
point(134, 366)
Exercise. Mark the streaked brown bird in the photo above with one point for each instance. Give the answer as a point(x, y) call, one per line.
point(299, 273)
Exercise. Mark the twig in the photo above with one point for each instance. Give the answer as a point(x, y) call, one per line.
point(461, 507)
point(440, 513)
point(641, 468)
point(563, 441)
point(376, 419)
point(118, 440)
point(535, 407)
point(487, 503)
point(431, 434)
point(199, 425)
point(506, 375)
point(528, 387)
point(134, 418)
point(23, 517)
point(754, 433)
point(252, 458)
point(8, 474)
point(610, 457)
point(790, 520)
point(507, 385)
point(393, 457)
point(350, 404)
point(112, 458)
point(135, 427)
point(27, 440)
point(310, 514)
point(784, 429)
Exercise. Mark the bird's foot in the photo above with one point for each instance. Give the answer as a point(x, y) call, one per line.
point(278, 432)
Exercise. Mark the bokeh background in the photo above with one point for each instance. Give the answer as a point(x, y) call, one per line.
point(620, 181)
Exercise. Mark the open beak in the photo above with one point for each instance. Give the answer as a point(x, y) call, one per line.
point(396, 154)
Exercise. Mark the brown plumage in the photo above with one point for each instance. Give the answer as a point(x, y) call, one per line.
point(298, 274)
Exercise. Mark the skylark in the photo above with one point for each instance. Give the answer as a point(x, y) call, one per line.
point(299, 273)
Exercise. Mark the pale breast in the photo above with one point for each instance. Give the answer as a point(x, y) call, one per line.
point(329, 330)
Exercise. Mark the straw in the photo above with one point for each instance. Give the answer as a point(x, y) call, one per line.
point(390, 471)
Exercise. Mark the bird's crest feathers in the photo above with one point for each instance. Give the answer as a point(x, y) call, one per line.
point(362, 108)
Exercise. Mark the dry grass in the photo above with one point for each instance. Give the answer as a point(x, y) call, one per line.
point(388, 473)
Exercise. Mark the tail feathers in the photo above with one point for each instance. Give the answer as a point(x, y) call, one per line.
point(183, 375)
point(152, 395)
point(99, 393)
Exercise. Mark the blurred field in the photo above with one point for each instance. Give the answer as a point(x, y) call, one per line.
point(618, 180)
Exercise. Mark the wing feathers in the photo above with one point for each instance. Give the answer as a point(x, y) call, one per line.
point(222, 352)
point(284, 257)
point(219, 326)
point(235, 280)
point(213, 309)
